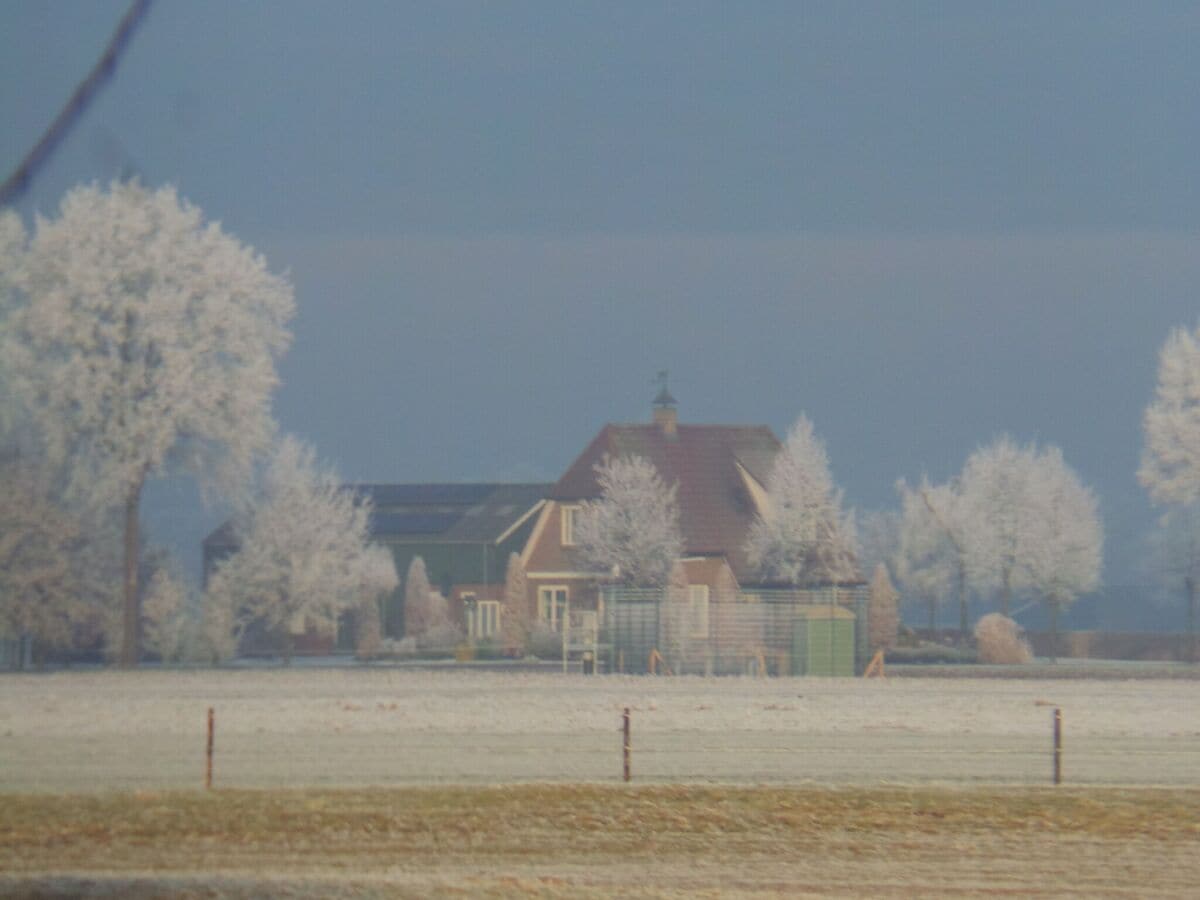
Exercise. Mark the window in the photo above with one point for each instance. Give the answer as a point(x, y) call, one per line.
point(568, 525)
point(552, 606)
point(485, 622)
point(698, 600)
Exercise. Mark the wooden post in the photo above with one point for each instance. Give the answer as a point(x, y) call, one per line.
point(627, 746)
point(1057, 746)
point(875, 666)
point(209, 752)
point(656, 660)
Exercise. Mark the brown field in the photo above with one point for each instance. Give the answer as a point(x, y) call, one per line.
point(605, 840)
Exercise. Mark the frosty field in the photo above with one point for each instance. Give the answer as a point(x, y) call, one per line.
point(74, 732)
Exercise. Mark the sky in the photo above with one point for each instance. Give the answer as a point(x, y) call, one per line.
point(921, 224)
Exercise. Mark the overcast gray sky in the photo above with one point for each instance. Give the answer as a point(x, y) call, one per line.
point(923, 224)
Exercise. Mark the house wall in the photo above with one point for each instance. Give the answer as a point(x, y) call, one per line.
point(550, 564)
point(453, 568)
point(546, 552)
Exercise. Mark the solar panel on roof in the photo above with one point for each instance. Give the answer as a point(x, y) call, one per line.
point(425, 494)
point(412, 523)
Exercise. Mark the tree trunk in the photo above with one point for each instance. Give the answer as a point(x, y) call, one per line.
point(962, 606)
point(1053, 630)
point(128, 657)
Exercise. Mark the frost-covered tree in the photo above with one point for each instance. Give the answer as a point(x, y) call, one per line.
point(878, 540)
point(144, 339)
point(304, 555)
point(883, 616)
point(443, 632)
point(1066, 550)
point(804, 537)
point(368, 631)
point(427, 611)
point(515, 618)
point(633, 528)
point(419, 615)
point(1170, 468)
point(220, 631)
point(165, 614)
point(378, 579)
point(999, 487)
point(1175, 560)
point(936, 530)
point(1036, 528)
point(12, 261)
point(925, 559)
point(41, 584)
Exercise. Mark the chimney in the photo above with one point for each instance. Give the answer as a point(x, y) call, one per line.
point(665, 416)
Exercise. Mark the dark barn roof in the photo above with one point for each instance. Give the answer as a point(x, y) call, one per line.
point(453, 513)
point(467, 513)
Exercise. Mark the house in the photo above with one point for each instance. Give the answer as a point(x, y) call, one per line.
point(464, 533)
point(728, 621)
point(720, 472)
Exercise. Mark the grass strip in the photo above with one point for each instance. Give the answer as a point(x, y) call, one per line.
point(394, 827)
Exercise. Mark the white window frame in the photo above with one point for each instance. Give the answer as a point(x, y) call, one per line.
point(548, 608)
point(566, 523)
point(485, 619)
point(698, 601)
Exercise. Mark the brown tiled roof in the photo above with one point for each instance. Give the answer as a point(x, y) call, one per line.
point(714, 507)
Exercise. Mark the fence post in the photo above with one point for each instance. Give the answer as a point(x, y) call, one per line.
point(209, 752)
point(627, 746)
point(1057, 745)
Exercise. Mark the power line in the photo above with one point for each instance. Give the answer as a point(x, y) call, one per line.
point(18, 182)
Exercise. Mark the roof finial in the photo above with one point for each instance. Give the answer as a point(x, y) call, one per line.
point(664, 407)
point(664, 398)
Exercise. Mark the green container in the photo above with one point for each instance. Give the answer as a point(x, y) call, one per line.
point(823, 641)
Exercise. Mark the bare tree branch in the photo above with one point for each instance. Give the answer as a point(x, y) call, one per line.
point(18, 182)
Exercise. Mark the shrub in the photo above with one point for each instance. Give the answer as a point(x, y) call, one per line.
point(545, 643)
point(930, 654)
point(368, 630)
point(441, 638)
point(1000, 641)
point(406, 646)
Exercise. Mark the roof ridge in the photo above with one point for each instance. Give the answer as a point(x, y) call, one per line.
point(689, 425)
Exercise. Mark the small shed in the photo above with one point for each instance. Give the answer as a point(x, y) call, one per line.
point(823, 641)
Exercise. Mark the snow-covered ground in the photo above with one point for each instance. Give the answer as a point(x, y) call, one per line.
point(146, 729)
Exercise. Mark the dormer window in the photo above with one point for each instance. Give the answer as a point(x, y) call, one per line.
point(568, 525)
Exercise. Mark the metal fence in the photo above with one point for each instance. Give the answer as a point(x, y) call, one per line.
point(388, 725)
point(818, 631)
point(594, 752)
